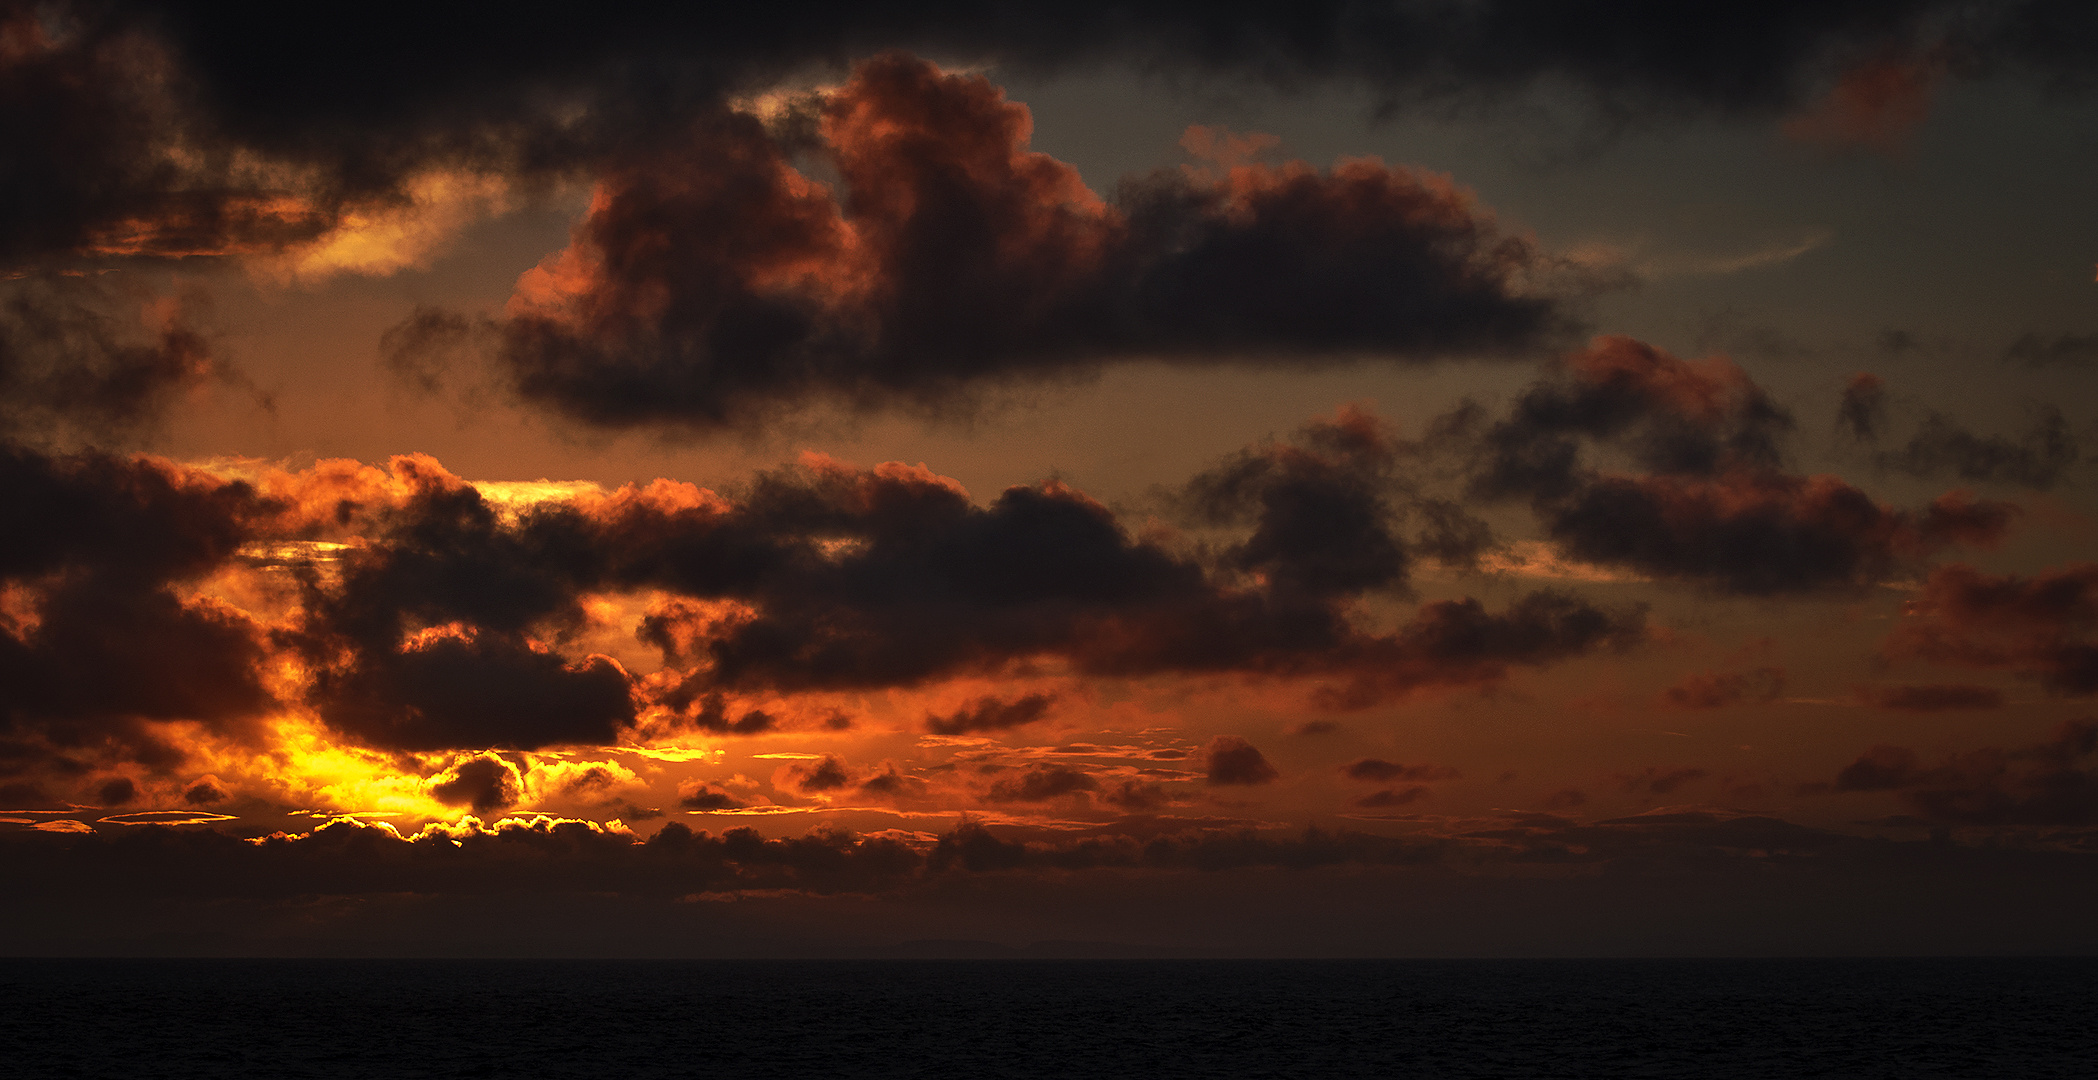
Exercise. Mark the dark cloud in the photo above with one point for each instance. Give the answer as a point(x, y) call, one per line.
point(425, 639)
point(1137, 797)
point(1391, 797)
point(2065, 350)
point(828, 773)
point(1713, 505)
point(699, 795)
point(1040, 783)
point(99, 647)
point(2051, 784)
point(1933, 698)
point(892, 576)
point(2036, 459)
point(1459, 643)
point(205, 790)
point(1323, 518)
point(992, 714)
point(1755, 59)
point(1377, 770)
point(69, 360)
point(1232, 760)
point(140, 125)
point(484, 782)
point(1715, 689)
point(714, 283)
point(1863, 411)
point(2041, 626)
point(1941, 446)
point(692, 705)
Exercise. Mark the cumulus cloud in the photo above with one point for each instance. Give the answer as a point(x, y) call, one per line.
point(483, 782)
point(700, 795)
point(1713, 504)
point(1231, 760)
point(714, 282)
point(100, 648)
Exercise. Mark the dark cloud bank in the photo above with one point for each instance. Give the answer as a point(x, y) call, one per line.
point(150, 133)
point(822, 576)
point(1660, 884)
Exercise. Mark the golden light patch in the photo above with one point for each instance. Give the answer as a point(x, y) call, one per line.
point(386, 238)
point(1537, 559)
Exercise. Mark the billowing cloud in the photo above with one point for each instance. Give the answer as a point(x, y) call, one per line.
point(1231, 760)
point(1714, 505)
point(713, 281)
point(100, 650)
point(483, 782)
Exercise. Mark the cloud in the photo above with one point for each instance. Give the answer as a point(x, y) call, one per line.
point(992, 714)
point(699, 795)
point(1041, 783)
point(162, 131)
point(2050, 784)
point(2036, 459)
point(2065, 350)
point(2039, 626)
point(1230, 760)
point(1933, 698)
point(484, 782)
point(1391, 797)
point(100, 647)
point(206, 790)
point(1714, 506)
point(1377, 770)
point(828, 773)
point(1863, 412)
point(714, 282)
point(73, 359)
point(1875, 105)
point(424, 640)
point(409, 610)
point(892, 576)
point(1323, 517)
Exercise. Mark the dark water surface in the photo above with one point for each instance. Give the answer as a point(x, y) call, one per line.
point(1761, 1019)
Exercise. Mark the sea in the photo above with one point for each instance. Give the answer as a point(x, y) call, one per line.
point(1759, 1019)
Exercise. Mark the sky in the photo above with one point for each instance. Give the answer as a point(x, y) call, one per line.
point(1409, 478)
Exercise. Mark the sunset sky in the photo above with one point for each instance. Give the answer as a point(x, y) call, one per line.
point(1422, 477)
